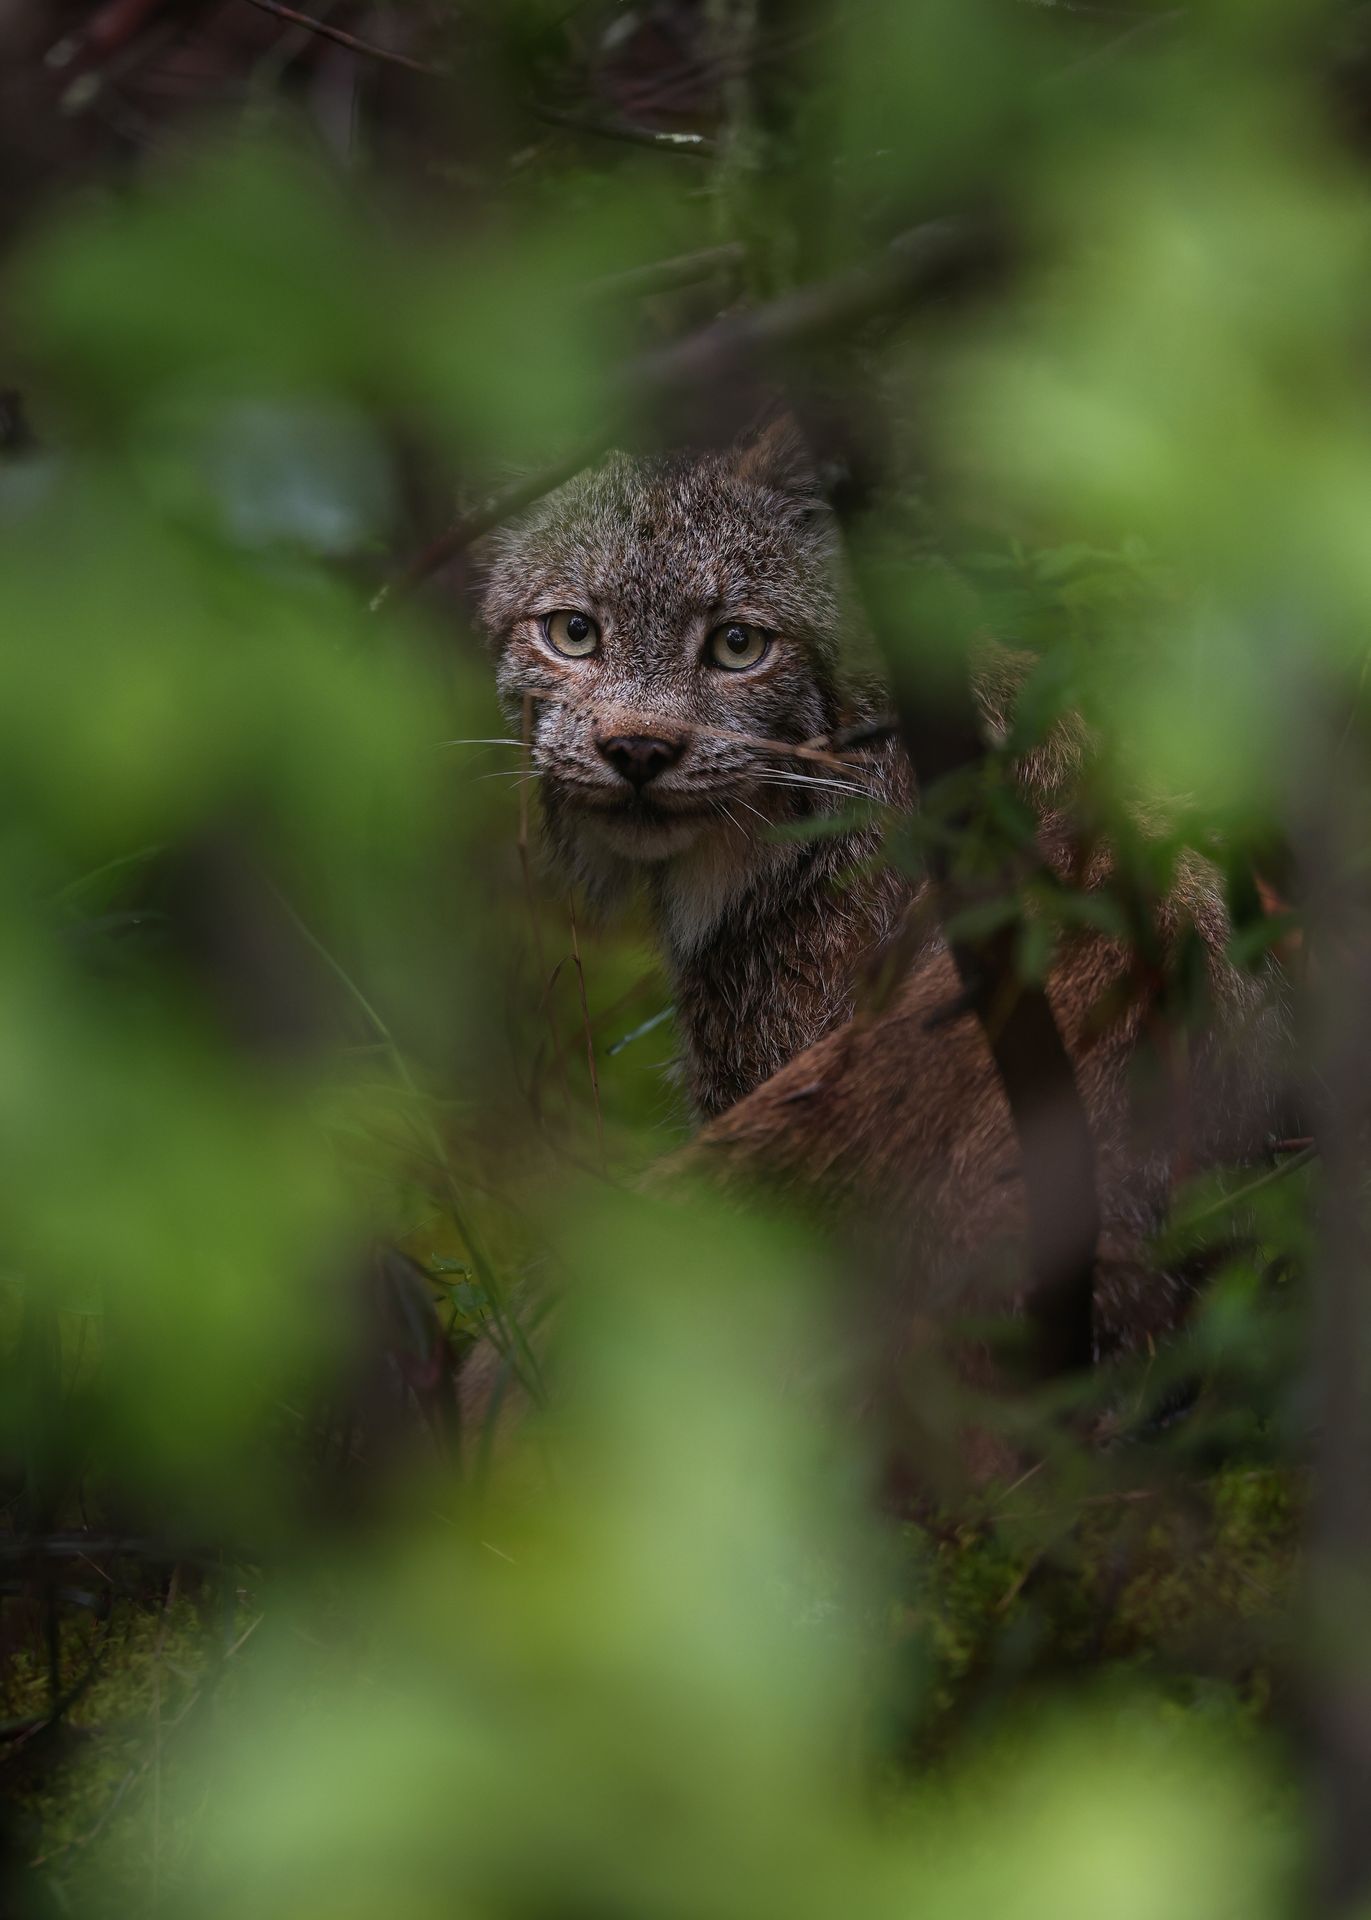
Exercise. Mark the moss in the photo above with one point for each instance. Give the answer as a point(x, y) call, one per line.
point(91, 1813)
point(1187, 1588)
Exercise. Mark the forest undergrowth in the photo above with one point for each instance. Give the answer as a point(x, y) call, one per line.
point(320, 1098)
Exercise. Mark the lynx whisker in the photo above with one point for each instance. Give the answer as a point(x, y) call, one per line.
point(778, 749)
point(808, 780)
point(811, 751)
point(748, 807)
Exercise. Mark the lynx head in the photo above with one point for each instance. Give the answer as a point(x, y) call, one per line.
point(661, 617)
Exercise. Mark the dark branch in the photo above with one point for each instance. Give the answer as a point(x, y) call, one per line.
point(867, 733)
point(1335, 798)
point(493, 511)
point(921, 265)
point(344, 39)
point(1056, 1149)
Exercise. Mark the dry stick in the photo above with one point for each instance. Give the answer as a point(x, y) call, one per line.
point(864, 733)
point(590, 1038)
point(345, 39)
point(921, 264)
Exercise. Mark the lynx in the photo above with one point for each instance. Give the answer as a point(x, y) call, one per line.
point(673, 625)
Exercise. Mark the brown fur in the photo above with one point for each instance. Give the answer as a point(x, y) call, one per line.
point(900, 1119)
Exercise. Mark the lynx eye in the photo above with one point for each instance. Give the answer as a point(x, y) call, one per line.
point(735, 645)
point(571, 633)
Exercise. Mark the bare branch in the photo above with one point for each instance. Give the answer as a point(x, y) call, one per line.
point(492, 512)
point(344, 39)
point(922, 264)
point(1336, 807)
point(1055, 1145)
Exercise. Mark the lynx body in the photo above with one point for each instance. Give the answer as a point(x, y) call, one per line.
point(671, 624)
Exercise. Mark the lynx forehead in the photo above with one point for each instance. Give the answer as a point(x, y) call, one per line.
point(665, 617)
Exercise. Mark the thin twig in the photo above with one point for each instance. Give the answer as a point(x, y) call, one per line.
point(814, 750)
point(865, 733)
point(493, 511)
point(1226, 1202)
point(506, 1325)
point(344, 39)
point(694, 75)
point(135, 1774)
point(1056, 1148)
point(660, 276)
point(921, 264)
point(535, 923)
point(697, 146)
point(1143, 29)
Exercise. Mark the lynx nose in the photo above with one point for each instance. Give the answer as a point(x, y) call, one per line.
point(640, 757)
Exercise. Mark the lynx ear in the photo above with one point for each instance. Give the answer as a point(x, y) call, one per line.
point(777, 457)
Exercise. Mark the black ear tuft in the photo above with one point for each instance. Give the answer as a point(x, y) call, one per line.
point(777, 457)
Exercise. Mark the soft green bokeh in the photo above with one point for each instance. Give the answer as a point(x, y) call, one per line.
point(645, 1689)
point(272, 996)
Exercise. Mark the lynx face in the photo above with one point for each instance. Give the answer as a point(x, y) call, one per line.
point(661, 617)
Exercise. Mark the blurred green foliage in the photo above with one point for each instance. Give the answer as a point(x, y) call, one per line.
point(271, 996)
